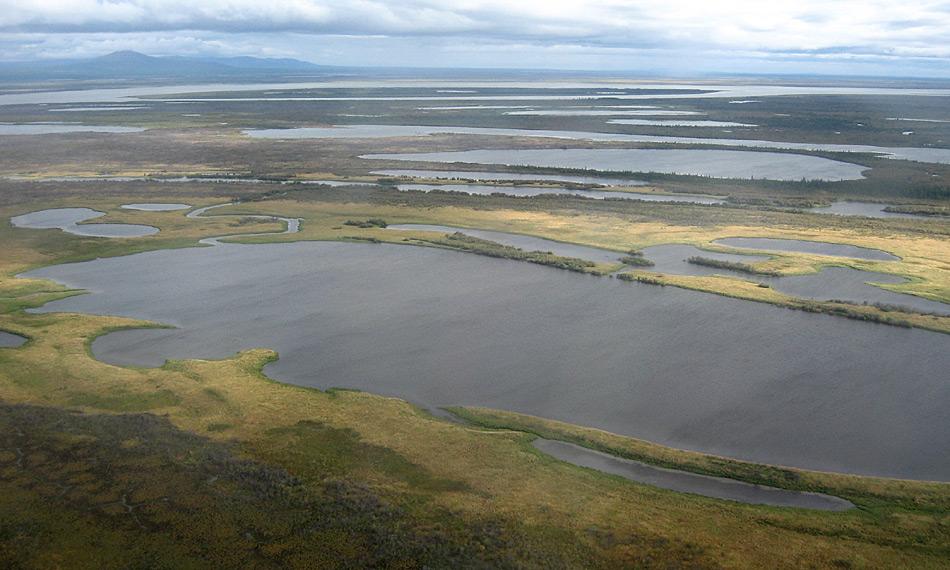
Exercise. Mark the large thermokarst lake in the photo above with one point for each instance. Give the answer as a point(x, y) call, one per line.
point(438, 328)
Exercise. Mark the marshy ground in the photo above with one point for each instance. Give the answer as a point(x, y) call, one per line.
point(211, 460)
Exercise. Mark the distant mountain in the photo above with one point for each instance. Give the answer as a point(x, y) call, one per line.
point(132, 64)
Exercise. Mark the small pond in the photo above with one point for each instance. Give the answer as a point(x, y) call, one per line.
point(10, 340)
point(686, 482)
point(68, 220)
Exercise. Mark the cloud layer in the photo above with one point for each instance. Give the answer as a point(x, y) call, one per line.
point(857, 32)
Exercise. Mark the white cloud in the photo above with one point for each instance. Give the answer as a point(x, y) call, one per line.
point(829, 29)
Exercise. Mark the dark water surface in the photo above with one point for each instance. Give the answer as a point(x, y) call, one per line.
point(438, 328)
point(685, 482)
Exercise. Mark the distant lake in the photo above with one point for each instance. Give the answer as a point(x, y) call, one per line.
point(437, 327)
point(54, 128)
point(524, 191)
point(936, 155)
point(866, 209)
point(616, 91)
point(713, 163)
point(482, 175)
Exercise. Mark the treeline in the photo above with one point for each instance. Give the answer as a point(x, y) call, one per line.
point(634, 258)
point(919, 210)
point(464, 242)
point(365, 224)
point(731, 266)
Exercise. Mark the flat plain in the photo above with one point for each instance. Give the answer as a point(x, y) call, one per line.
point(222, 458)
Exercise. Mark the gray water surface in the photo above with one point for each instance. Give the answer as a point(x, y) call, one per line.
point(803, 246)
point(527, 191)
point(686, 482)
point(68, 220)
point(10, 340)
point(440, 328)
point(713, 163)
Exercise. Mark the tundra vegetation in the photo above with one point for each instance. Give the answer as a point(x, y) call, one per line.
point(730, 265)
point(209, 462)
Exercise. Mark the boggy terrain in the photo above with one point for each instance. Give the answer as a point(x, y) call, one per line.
point(396, 452)
point(213, 461)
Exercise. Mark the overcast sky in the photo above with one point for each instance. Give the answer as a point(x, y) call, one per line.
point(878, 37)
